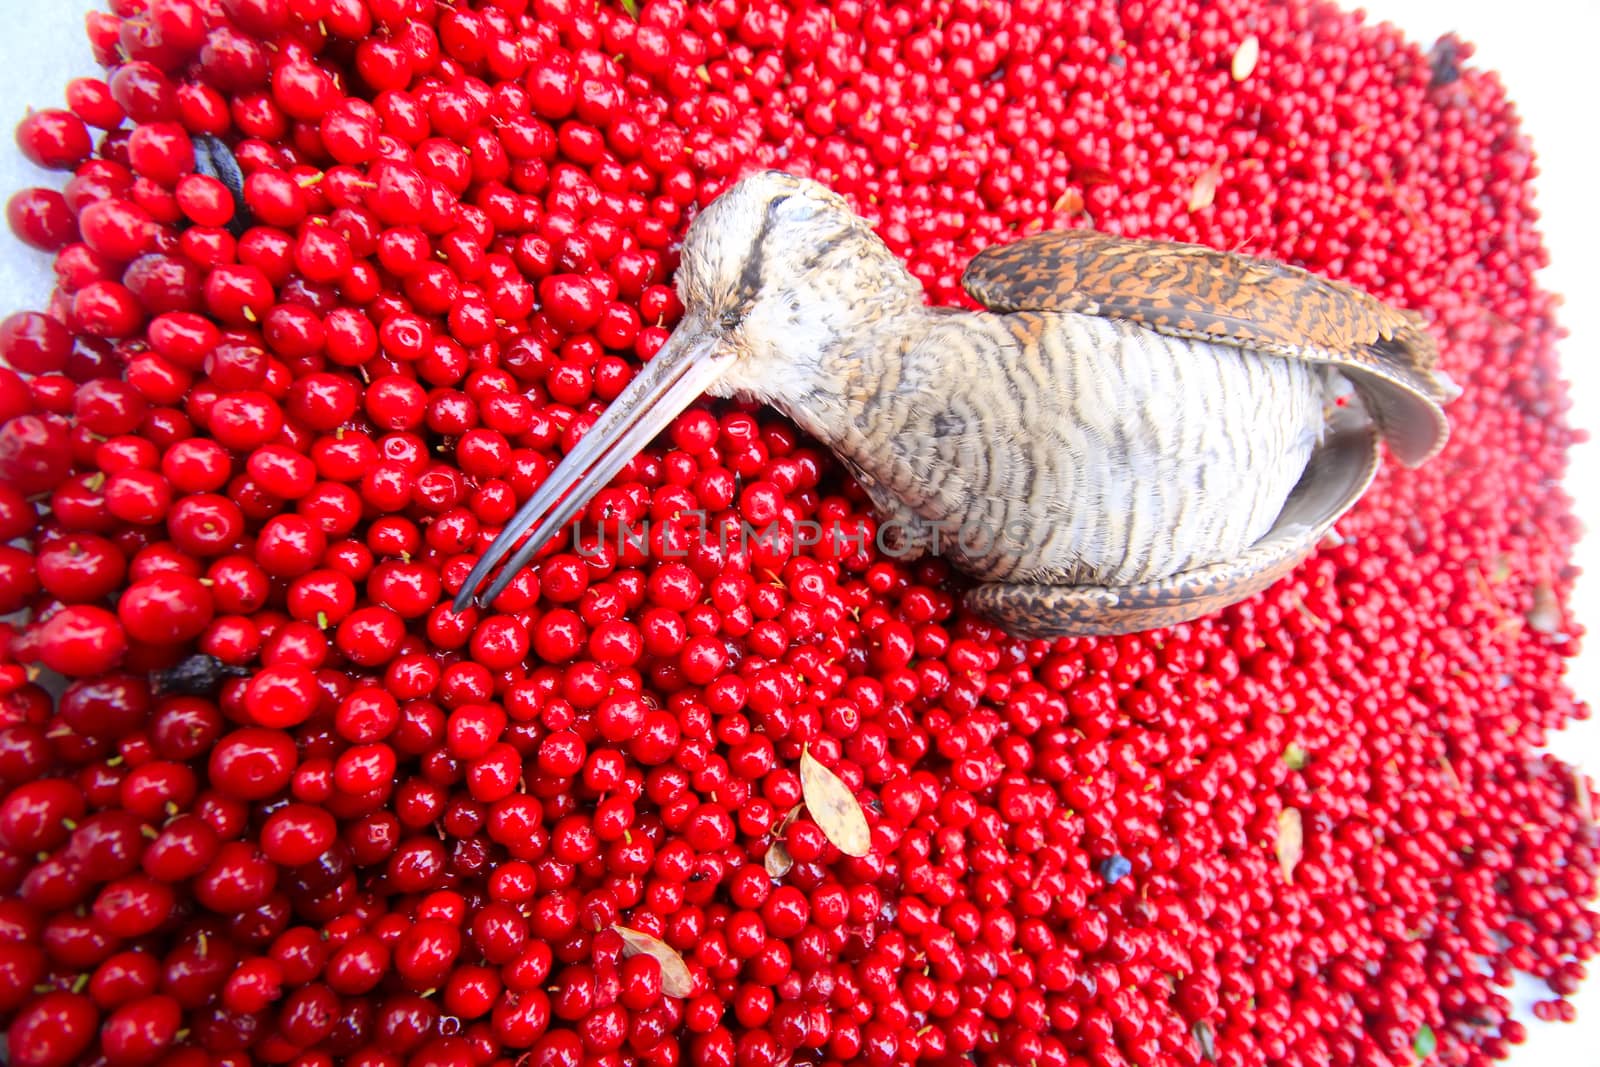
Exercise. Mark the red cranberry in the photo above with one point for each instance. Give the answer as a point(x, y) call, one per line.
point(52, 1031)
point(53, 139)
point(41, 218)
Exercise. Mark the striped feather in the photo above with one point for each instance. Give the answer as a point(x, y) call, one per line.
point(1134, 455)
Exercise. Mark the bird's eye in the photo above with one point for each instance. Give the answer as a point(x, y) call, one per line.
point(731, 319)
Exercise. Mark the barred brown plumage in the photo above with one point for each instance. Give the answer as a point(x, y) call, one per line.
point(1199, 293)
point(1136, 433)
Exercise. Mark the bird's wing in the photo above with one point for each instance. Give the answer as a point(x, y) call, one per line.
point(1338, 474)
point(1200, 293)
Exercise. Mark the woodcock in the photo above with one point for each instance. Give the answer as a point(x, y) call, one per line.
point(1134, 434)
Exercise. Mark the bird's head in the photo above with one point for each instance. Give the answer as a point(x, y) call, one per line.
point(772, 274)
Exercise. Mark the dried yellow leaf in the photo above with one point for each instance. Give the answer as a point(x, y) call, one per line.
point(675, 978)
point(1245, 56)
point(1205, 188)
point(834, 807)
point(1291, 841)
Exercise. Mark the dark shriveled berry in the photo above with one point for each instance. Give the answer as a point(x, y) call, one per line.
point(197, 676)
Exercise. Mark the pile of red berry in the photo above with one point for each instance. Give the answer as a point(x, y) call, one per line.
point(340, 280)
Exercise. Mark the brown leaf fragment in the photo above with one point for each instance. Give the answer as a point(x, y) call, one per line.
point(1203, 1038)
point(834, 807)
point(1545, 615)
point(1580, 791)
point(1069, 203)
point(1205, 188)
point(676, 981)
point(1245, 56)
point(1290, 845)
point(778, 862)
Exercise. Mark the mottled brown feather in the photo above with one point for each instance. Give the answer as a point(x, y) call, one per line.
point(1195, 292)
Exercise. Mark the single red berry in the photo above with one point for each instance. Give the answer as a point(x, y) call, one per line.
point(52, 1031)
point(145, 93)
point(253, 763)
point(90, 99)
point(204, 200)
point(34, 454)
point(32, 343)
point(161, 152)
point(165, 609)
point(117, 229)
point(81, 640)
point(53, 139)
point(141, 1030)
point(41, 218)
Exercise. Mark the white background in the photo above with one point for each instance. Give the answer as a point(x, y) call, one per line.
point(1546, 53)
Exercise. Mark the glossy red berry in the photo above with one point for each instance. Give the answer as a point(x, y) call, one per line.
point(53, 139)
point(41, 218)
point(81, 640)
point(165, 609)
point(52, 1031)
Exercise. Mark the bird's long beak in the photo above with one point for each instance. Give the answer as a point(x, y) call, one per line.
point(686, 365)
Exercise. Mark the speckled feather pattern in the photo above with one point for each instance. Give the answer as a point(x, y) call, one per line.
point(1070, 449)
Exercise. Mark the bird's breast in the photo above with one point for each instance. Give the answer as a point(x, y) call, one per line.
point(1071, 449)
